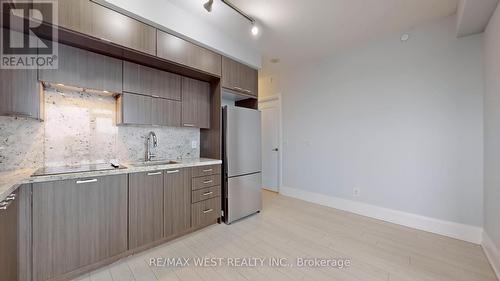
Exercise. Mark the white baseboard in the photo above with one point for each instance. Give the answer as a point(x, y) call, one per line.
point(492, 253)
point(451, 229)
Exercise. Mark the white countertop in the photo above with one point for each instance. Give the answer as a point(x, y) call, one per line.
point(11, 180)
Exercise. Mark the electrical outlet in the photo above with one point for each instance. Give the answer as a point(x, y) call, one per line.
point(194, 144)
point(356, 192)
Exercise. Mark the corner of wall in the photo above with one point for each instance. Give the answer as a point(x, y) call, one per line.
point(492, 253)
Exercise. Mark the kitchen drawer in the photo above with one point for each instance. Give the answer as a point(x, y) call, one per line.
point(205, 212)
point(203, 182)
point(204, 194)
point(206, 170)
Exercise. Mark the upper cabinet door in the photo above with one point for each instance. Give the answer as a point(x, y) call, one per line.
point(144, 80)
point(19, 93)
point(112, 26)
point(178, 50)
point(87, 17)
point(85, 69)
point(166, 112)
point(239, 77)
point(134, 109)
point(195, 103)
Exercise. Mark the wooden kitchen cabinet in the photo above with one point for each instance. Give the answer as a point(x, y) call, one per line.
point(92, 19)
point(239, 78)
point(177, 196)
point(135, 109)
point(81, 68)
point(77, 223)
point(145, 208)
point(145, 80)
point(180, 51)
point(9, 223)
point(195, 103)
point(205, 212)
point(20, 93)
point(19, 90)
point(166, 112)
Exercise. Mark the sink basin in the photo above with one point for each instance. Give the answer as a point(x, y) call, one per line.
point(155, 163)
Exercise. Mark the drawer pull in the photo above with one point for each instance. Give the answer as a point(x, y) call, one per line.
point(11, 197)
point(208, 193)
point(172, 172)
point(208, 211)
point(86, 181)
point(154, 174)
point(188, 125)
point(207, 170)
point(210, 181)
point(155, 96)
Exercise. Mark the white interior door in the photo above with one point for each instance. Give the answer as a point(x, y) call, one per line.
point(270, 145)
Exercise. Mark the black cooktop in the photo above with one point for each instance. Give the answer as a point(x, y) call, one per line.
point(47, 171)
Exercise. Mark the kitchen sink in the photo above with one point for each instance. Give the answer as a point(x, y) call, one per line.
point(155, 163)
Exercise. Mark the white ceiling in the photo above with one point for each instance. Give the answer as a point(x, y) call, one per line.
point(297, 31)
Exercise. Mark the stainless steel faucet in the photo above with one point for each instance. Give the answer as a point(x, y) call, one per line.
point(151, 143)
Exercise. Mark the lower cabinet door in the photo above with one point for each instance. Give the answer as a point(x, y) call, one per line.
point(177, 201)
point(205, 212)
point(9, 241)
point(145, 208)
point(78, 223)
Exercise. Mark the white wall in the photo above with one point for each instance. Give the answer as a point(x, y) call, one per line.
point(166, 14)
point(401, 121)
point(492, 132)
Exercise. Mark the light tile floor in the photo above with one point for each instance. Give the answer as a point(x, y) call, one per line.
point(290, 228)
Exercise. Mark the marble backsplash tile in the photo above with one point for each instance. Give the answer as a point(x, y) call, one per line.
point(80, 128)
point(21, 143)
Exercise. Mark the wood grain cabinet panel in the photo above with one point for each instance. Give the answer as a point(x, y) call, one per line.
point(20, 93)
point(19, 90)
point(180, 51)
point(239, 78)
point(204, 194)
point(9, 222)
point(205, 212)
point(145, 208)
point(122, 30)
point(145, 80)
point(134, 109)
point(206, 170)
point(177, 201)
point(81, 68)
point(92, 19)
point(206, 181)
point(195, 103)
point(166, 112)
point(78, 223)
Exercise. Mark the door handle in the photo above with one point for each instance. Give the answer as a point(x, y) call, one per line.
point(86, 181)
point(154, 174)
point(172, 172)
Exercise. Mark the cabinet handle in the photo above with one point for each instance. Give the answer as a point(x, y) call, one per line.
point(155, 96)
point(207, 193)
point(11, 197)
point(248, 91)
point(154, 174)
point(172, 172)
point(188, 125)
point(210, 181)
point(208, 211)
point(238, 88)
point(208, 170)
point(86, 181)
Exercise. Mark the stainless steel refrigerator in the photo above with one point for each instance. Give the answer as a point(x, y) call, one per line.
point(241, 152)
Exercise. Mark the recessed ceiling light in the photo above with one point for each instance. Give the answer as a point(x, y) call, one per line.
point(405, 37)
point(255, 30)
point(208, 5)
